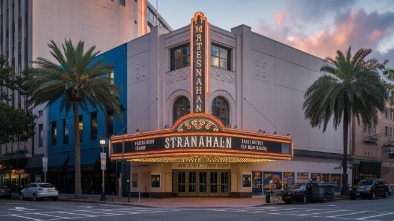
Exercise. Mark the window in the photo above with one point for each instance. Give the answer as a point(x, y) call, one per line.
point(220, 57)
point(93, 126)
point(54, 133)
point(80, 128)
point(111, 76)
point(110, 123)
point(220, 109)
point(181, 108)
point(386, 131)
point(40, 135)
point(386, 114)
point(180, 57)
point(65, 131)
point(122, 2)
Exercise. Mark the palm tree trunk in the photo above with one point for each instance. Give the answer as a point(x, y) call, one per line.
point(77, 150)
point(345, 189)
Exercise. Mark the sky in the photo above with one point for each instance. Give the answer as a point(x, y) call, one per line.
point(318, 27)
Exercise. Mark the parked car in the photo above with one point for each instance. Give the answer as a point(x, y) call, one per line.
point(391, 189)
point(370, 188)
point(5, 191)
point(309, 192)
point(37, 191)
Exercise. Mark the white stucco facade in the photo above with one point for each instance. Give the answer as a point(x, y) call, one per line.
point(264, 89)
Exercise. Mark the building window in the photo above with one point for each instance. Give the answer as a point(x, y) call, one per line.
point(111, 76)
point(220, 109)
point(180, 57)
point(386, 131)
point(220, 57)
point(93, 119)
point(65, 131)
point(54, 133)
point(80, 128)
point(181, 108)
point(122, 2)
point(40, 135)
point(386, 114)
point(110, 123)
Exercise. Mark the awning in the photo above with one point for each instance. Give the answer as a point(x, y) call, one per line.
point(57, 161)
point(89, 157)
point(34, 164)
point(4, 158)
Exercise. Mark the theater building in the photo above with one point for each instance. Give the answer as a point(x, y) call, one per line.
point(212, 112)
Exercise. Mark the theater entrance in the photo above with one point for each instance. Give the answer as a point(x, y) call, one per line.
point(201, 182)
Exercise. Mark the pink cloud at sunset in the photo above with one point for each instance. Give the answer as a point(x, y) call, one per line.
point(352, 27)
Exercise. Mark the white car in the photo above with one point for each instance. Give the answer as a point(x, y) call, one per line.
point(37, 191)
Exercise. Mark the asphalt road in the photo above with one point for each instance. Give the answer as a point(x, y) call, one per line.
point(16, 210)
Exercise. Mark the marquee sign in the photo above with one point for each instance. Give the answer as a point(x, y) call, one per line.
point(201, 135)
point(198, 39)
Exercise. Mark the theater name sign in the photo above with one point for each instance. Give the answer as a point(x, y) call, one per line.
point(200, 138)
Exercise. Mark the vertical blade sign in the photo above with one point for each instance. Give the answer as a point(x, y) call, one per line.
point(198, 40)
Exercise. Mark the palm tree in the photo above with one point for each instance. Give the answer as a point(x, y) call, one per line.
point(351, 87)
point(77, 81)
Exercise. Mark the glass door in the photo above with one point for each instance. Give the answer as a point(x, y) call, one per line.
point(224, 184)
point(192, 183)
point(213, 183)
point(202, 183)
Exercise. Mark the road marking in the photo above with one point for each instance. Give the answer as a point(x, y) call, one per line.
point(20, 209)
point(384, 214)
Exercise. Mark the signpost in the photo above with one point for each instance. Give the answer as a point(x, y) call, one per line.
point(45, 167)
point(103, 160)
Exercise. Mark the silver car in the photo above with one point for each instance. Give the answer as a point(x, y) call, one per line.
point(37, 191)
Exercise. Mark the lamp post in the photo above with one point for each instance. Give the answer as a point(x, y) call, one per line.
point(391, 156)
point(103, 159)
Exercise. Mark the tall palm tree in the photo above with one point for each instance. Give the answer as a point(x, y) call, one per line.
point(351, 86)
point(77, 81)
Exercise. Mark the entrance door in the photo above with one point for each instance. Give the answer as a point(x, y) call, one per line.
point(201, 183)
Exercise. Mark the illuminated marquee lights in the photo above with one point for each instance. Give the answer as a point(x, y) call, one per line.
point(198, 45)
point(197, 141)
point(200, 137)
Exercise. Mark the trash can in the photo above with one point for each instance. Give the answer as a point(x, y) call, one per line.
point(267, 196)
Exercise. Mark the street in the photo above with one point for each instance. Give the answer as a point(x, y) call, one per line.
point(16, 210)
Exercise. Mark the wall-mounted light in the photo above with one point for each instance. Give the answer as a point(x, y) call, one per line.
point(275, 132)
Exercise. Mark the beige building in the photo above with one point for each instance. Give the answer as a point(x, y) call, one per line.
point(27, 26)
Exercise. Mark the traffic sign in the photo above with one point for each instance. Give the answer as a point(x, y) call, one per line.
point(103, 159)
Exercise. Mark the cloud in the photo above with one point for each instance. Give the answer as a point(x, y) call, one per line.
point(280, 17)
point(352, 27)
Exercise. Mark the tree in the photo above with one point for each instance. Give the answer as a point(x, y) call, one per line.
point(16, 125)
point(77, 81)
point(351, 86)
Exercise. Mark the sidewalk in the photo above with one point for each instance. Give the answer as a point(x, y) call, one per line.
point(175, 202)
point(179, 202)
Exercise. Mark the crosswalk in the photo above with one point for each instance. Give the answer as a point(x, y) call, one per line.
point(91, 213)
point(323, 212)
point(78, 214)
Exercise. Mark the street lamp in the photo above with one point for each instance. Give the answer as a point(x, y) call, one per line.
point(103, 159)
point(391, 156)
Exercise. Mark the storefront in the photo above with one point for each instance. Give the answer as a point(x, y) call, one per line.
point(198, 156)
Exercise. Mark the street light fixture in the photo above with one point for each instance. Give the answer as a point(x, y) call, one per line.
point(103, 159)
point(391, 156)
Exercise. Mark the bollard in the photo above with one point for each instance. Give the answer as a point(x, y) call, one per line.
point(267, 196)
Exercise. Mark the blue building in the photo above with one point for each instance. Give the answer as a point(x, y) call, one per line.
point(94, 126)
